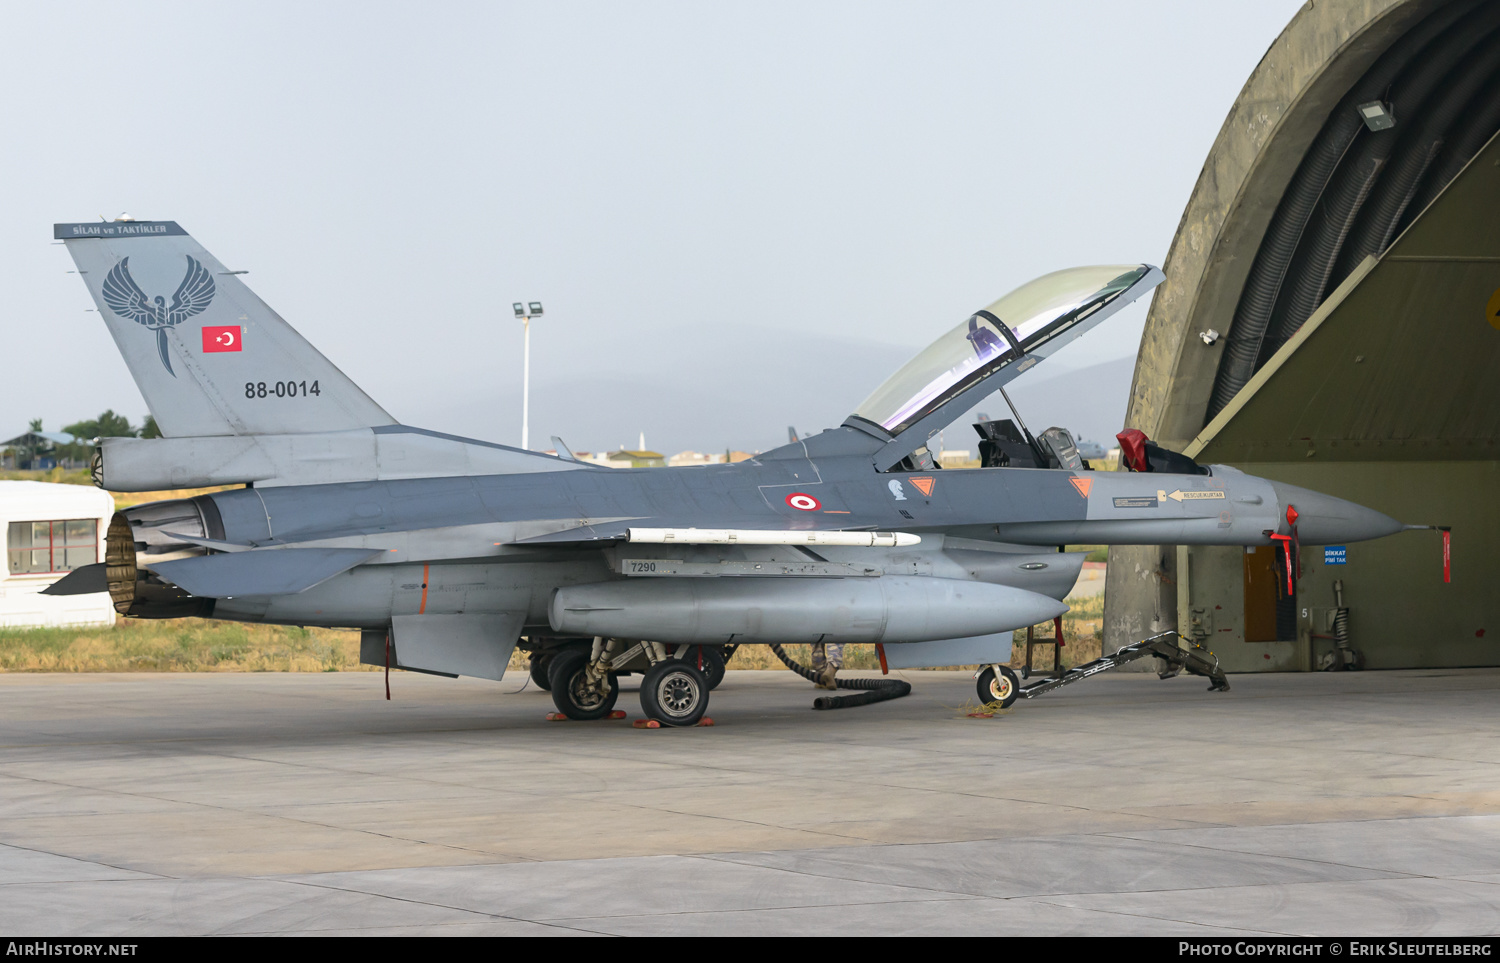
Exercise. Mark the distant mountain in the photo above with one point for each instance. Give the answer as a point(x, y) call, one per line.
point(710, 390)
point(1090, 402)
point(700, 389)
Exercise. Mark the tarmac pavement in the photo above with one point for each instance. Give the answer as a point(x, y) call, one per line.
point(1321, 804)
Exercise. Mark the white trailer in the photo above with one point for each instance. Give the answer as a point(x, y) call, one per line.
point(48, 531)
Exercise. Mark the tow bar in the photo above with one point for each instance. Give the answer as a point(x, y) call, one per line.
point(1196, 659)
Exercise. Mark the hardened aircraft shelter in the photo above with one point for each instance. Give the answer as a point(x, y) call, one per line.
point(1331, 319)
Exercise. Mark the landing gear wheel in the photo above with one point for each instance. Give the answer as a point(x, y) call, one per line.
point(709, 658)
point(540, 662)
point(566, 678)
point(674, 692)
point(1004, 688)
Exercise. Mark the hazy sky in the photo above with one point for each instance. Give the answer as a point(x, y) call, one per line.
point(711, 199)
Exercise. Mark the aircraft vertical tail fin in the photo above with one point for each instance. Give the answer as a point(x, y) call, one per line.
point(209, 356)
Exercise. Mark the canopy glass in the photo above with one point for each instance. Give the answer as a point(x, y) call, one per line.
point(1014, 330)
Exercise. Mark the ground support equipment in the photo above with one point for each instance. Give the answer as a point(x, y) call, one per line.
point(998, 683)
point(1056, 641)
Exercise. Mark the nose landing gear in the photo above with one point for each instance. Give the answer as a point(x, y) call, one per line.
point(1002, 686)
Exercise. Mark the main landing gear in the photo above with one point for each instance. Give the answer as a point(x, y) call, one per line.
point(578, 689)
point(674, 689)
point(674, 692)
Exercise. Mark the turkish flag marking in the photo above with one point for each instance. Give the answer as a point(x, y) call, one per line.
point(225, 338)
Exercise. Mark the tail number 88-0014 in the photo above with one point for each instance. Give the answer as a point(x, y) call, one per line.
point(280, 389)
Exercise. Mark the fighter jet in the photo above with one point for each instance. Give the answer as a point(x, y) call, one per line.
point(449, 553)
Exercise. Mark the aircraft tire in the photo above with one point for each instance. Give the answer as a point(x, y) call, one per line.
point(565, 677)
point(674, 692)
point(711, 662)
point(1004, 689)
point(540, 663)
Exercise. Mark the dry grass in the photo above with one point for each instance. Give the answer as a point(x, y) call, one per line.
point(57, 476)
point(180, 645)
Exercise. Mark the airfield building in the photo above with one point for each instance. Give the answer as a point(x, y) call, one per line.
point(38, 451)
point(50, 530)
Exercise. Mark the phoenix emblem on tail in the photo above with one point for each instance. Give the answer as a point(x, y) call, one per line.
point(126, 299)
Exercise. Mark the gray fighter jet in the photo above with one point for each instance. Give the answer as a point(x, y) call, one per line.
point(449, 552)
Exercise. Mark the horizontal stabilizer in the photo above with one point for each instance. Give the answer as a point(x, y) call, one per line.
point(282, 571)
point(212, 543)
point(80, 581)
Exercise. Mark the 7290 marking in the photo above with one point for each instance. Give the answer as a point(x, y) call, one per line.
point(280, 389)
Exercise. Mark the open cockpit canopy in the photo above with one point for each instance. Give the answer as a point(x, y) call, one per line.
point(996, 344)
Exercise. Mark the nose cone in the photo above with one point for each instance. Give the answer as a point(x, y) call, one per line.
point(1325, 520)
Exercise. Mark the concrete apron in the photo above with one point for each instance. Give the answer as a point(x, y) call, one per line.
point(265, 803)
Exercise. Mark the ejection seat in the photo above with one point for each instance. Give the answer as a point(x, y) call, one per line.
point(1139, 453)
point(1003, 445)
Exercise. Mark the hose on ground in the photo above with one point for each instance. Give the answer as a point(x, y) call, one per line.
point(875, 690)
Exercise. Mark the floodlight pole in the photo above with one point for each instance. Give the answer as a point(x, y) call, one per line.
point(525, 381)
point(526, 311)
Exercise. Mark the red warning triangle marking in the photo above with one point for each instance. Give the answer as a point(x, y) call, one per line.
point(923, 485)
point(1082, 484)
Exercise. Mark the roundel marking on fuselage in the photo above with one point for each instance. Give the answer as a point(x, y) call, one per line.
point(803, 502)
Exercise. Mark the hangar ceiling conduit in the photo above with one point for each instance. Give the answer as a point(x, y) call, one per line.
point(1477, 122)
point(1314, 270)
point(1355, 187)
point(1263, 285)
point(1425, 128)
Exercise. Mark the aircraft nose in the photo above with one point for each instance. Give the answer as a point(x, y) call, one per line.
point(1325, 520)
